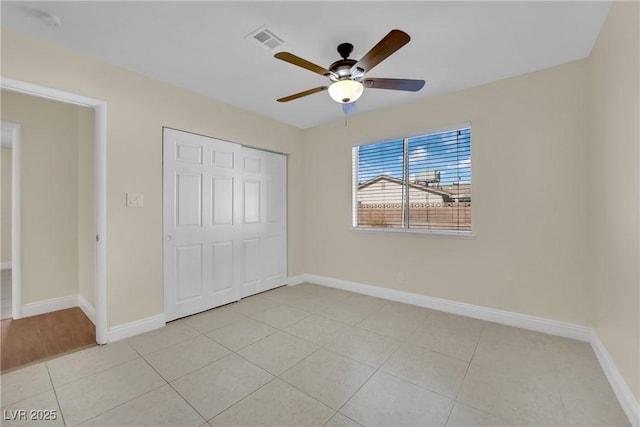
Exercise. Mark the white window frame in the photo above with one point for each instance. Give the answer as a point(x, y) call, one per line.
point(405, 230)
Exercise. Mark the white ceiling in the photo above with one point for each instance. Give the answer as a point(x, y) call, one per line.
point(201, 46)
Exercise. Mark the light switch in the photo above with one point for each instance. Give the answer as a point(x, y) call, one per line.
point(135, 200)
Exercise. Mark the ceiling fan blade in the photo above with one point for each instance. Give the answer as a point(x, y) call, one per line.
point(385, 47)
point(394, 84)
point(349, 108)
point(301, 94)
point(296, 60)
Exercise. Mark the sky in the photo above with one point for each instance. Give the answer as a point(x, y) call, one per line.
point(447, 152)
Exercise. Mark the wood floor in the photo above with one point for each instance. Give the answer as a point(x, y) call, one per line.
point(36, 338)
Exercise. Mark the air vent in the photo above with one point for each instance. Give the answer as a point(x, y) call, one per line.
point(265, 38)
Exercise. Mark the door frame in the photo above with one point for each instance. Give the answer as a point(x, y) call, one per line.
point(100, 197)
point(16, 253)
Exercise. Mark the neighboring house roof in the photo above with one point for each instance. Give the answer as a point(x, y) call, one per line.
point(459, 190)
point(446, 196)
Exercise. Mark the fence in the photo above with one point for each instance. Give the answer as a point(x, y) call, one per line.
point(432, 216)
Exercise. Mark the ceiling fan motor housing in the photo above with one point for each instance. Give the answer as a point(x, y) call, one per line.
point(341, 69)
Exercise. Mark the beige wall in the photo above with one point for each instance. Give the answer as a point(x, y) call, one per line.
point(5, 210)
point(138, 107)
point(50, 211)
point(529, 172)
point(615, 180)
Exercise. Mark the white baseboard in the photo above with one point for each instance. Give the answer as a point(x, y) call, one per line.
point(296, 280)
point(5, 265)
point(618, 384)
point(136, 327)
point(87, 309)
point(47, 306)
point(552, 327)
point(55, 304)
point(539, 324)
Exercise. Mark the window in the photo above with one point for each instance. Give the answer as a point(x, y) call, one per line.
point(421, 183)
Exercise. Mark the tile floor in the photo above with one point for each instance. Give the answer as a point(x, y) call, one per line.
point(313, 356)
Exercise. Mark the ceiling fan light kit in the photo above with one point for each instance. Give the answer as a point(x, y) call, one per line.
point(346, 91)
point(347, 75)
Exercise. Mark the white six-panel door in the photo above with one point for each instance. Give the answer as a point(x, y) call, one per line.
point(264, 227)
point(224, 222)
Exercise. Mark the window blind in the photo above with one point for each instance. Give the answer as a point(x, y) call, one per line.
point(421, 183)
point(381, 194)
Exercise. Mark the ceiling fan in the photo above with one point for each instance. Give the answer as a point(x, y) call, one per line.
point(347, 75)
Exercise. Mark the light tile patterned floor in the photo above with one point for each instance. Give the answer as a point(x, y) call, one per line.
point(313, 356)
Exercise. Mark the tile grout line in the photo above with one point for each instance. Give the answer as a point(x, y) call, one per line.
point(196, 369)
point(99, 372)
point(376, 370)
point(560, 394)
point(419, 386)
point(173, 388)
point(245, 397)
point(164, 348)
point(471, 360)
point(96, 372)
point(55, 393)
point(318, 348)
point(261, 339)
point(450, 412)
point(122, 404)
point(294, 386)
point(455, 400)
point(262, 368)
point(182, 342)
point(232, 352)
point(246, 345)
point(356, 392)
point(401, 342)
point(409, 381)
point(135, 397)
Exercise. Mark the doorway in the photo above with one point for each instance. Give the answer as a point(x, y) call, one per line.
point(99, 202)
point(57, 236)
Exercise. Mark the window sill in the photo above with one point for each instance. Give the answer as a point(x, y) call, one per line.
point(464, 235)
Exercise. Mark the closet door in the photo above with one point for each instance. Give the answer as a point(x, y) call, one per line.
point(224, 222)
point(202, 207)
point(264, 221)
